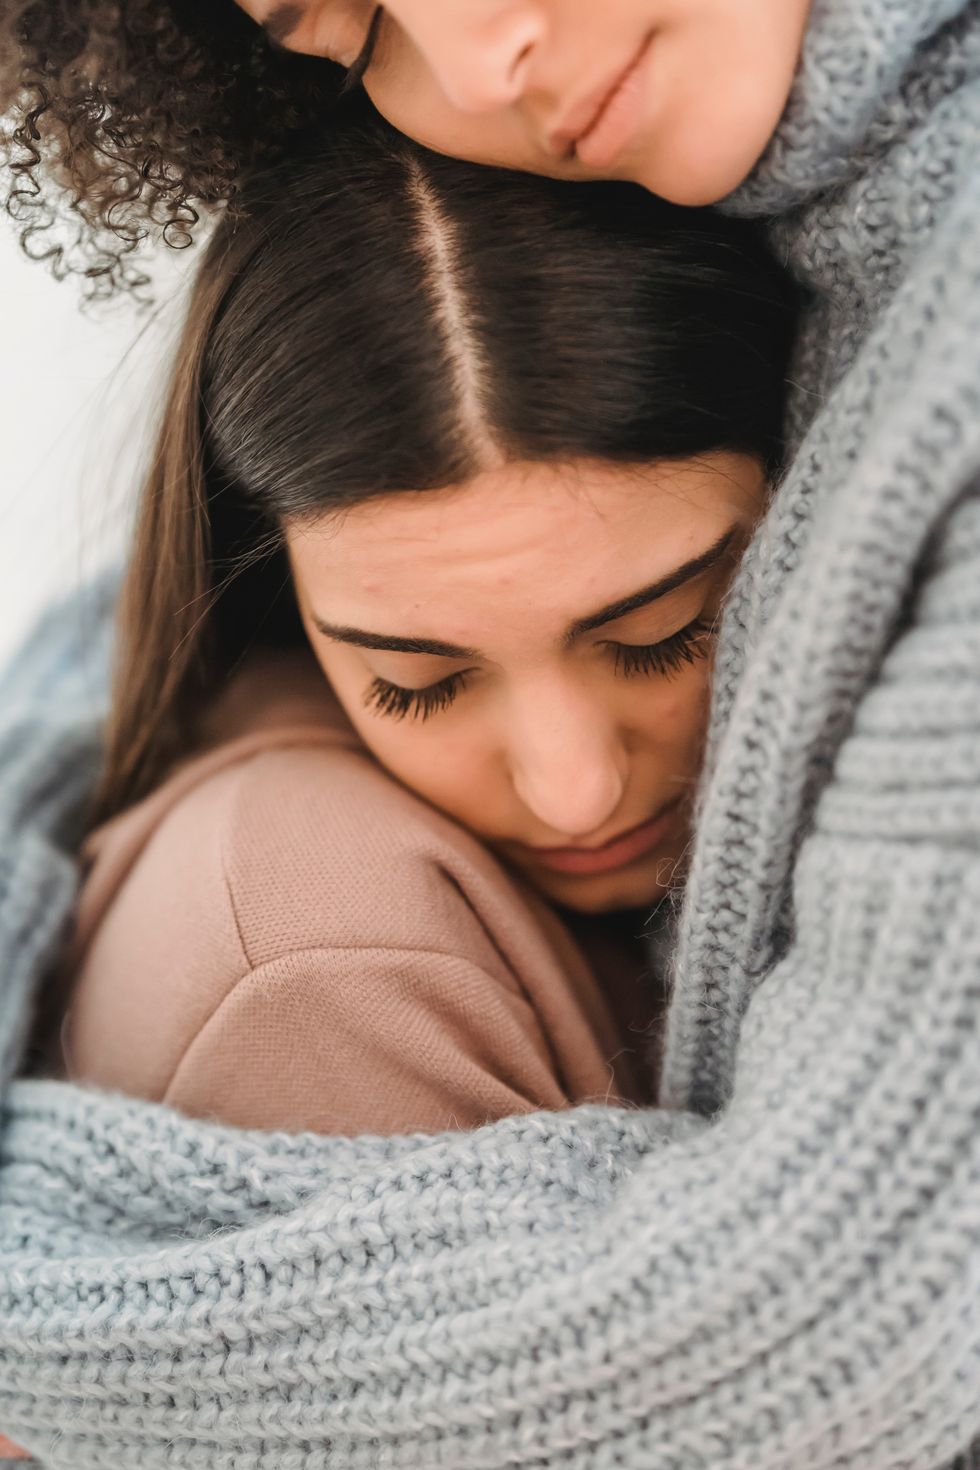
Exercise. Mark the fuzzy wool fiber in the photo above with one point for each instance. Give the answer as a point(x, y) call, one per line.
point(779, 1269)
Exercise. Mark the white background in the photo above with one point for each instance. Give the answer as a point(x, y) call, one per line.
point(79, 398)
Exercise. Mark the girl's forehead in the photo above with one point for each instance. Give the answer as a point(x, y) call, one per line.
point(538, 535)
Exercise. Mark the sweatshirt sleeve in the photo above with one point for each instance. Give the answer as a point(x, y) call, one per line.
point(367, 1040)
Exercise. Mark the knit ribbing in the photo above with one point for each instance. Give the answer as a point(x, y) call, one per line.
point(781, 1273)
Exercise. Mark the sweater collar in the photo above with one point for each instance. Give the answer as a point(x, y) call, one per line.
point(856, 55)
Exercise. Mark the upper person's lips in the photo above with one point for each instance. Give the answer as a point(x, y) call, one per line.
point(582, 118)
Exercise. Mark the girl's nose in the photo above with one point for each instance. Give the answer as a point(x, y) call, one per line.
point(480, 61)
point(571, 776)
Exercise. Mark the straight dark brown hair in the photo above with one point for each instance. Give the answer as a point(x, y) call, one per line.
point(377, 319)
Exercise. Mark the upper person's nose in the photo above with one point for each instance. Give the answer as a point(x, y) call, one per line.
point(568, 766)
point(481, 54)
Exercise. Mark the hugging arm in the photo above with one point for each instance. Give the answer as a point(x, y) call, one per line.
point(792, 1283)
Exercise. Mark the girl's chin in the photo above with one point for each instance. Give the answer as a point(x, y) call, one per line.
point(638, 885)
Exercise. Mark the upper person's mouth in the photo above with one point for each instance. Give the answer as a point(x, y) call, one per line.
point(584, 120)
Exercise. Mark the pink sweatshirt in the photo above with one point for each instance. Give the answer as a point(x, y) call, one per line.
point(283, 936)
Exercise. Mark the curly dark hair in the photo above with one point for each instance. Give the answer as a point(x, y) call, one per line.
point(124, 119)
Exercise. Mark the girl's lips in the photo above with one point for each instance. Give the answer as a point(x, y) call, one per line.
point(628, 848)
point(619, 119)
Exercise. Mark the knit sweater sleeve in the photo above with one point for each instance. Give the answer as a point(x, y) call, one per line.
point(841, 1178)
point(792, 1283)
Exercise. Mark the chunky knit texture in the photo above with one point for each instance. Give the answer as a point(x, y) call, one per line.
point(781, 1271)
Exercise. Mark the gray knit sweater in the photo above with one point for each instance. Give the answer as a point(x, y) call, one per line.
point(781, 1271)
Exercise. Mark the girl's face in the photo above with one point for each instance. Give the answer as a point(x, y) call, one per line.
point(678, 95)
point(530, 653)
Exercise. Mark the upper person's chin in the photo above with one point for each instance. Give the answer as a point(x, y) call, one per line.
point(696, 180)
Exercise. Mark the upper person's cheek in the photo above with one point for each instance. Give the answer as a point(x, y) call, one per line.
point(499, 140)
point(406, 92)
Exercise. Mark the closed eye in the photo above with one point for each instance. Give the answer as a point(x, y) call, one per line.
point(360, 64)
point(399, 703)
point(685, 646)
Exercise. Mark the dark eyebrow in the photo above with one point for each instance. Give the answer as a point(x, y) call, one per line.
point(654, 591)
point(391, 644)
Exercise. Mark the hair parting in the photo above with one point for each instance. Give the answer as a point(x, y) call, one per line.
point(373, 319)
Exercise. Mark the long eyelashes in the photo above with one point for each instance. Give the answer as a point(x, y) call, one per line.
point(686, 646)
point(393, 700)
point(362, 61)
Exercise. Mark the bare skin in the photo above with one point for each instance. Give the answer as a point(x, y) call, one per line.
point(538, 736)
point(680, 96)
